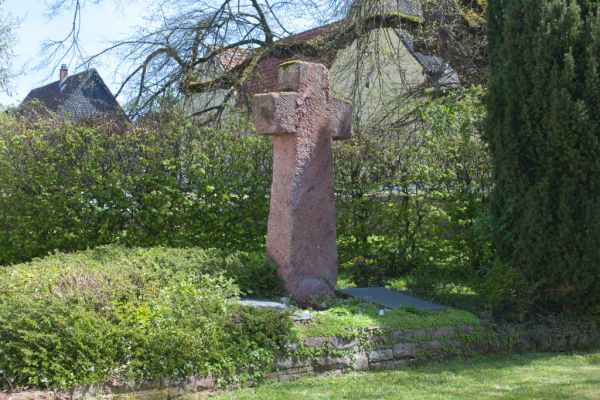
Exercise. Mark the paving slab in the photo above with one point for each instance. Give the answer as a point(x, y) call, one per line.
point(297, 315)
point(390, 298)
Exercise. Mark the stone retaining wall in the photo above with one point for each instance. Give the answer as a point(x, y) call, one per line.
point(335, 355)
point(371, 350)
point(313, 356)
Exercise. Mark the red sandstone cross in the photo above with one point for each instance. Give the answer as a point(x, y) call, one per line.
point(303, 118)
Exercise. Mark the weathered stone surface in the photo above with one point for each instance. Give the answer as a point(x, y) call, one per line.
point(361, 362)
point(329, 362)
point(301, 236)
point(390, 298)
point(434, 346)
point(381, 355)
point(391, 364)
point(406, 350)
point(275, 113)
point(343, 343)
point(313, 342)
point(287, 363)
point(441, 331)
point(407, 333)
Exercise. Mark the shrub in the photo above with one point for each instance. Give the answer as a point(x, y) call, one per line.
point(115, 313)
point(414, 201)
point(544, 135)
point(71, 187)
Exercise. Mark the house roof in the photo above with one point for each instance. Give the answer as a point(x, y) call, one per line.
point(434, 66)
point(229, 58)
point(265, 80)
point(411, 8)
point(80, 95)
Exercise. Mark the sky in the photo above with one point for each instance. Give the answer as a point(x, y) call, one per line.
point(101, 25)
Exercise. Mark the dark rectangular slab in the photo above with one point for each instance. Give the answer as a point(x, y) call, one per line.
point(389, 298)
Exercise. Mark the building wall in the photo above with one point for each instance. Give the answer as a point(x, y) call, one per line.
point(373, 72)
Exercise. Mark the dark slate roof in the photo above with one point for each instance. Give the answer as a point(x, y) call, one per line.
point(434, 66)
point(409, 8)
point(81, 95)
point(412, 8)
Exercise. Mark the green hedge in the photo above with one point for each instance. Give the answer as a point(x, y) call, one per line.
point(417, 203)
point(115, 313)
point(164, 182)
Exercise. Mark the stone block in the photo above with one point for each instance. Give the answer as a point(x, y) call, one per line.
point(275, 113)
point(337, 362)
point(361, 362)
point(441, 331)
point(406, 350)
point(297, 76)
point(434, 346)
point(390, 364)
point(343, 343)
point(288, 362)
point(381, 355)
point(313, 342)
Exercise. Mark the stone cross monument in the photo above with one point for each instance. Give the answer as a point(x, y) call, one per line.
point(303, 118)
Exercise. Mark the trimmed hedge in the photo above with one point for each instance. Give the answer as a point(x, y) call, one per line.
point(115, 313)
point(164, 182)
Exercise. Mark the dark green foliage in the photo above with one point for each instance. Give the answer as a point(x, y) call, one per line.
point(164, 182)
point(365, 272)
point(415, 202)
point(115, 313)
point(543, 130)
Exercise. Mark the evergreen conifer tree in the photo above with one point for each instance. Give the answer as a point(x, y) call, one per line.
point(543, 130)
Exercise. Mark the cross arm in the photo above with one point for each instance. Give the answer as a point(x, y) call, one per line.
point(275, 113)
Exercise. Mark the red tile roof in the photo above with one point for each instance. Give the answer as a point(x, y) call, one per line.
point(265, 78)
point(231, 57)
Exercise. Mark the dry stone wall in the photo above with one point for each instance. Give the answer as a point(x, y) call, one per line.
point(371, 350)
point(375, 350)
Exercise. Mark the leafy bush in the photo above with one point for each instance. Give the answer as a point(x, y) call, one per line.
point(364, 272)
point(416, 202)
point(115, 313)
point(164, 182)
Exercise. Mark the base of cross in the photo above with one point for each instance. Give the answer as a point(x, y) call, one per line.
point(303, 118)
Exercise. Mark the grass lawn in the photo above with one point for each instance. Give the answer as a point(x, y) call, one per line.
point(533, 376)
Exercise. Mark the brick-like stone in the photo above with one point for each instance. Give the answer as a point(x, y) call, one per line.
point(390, 364)
point(406, 350)
point(288, 362)
point(344, 343)
point(337, 362)
point(441, 331)
point(434, 346)
point(381, 355)
point(361, 362)
point(407, 333)
point(313, 342)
